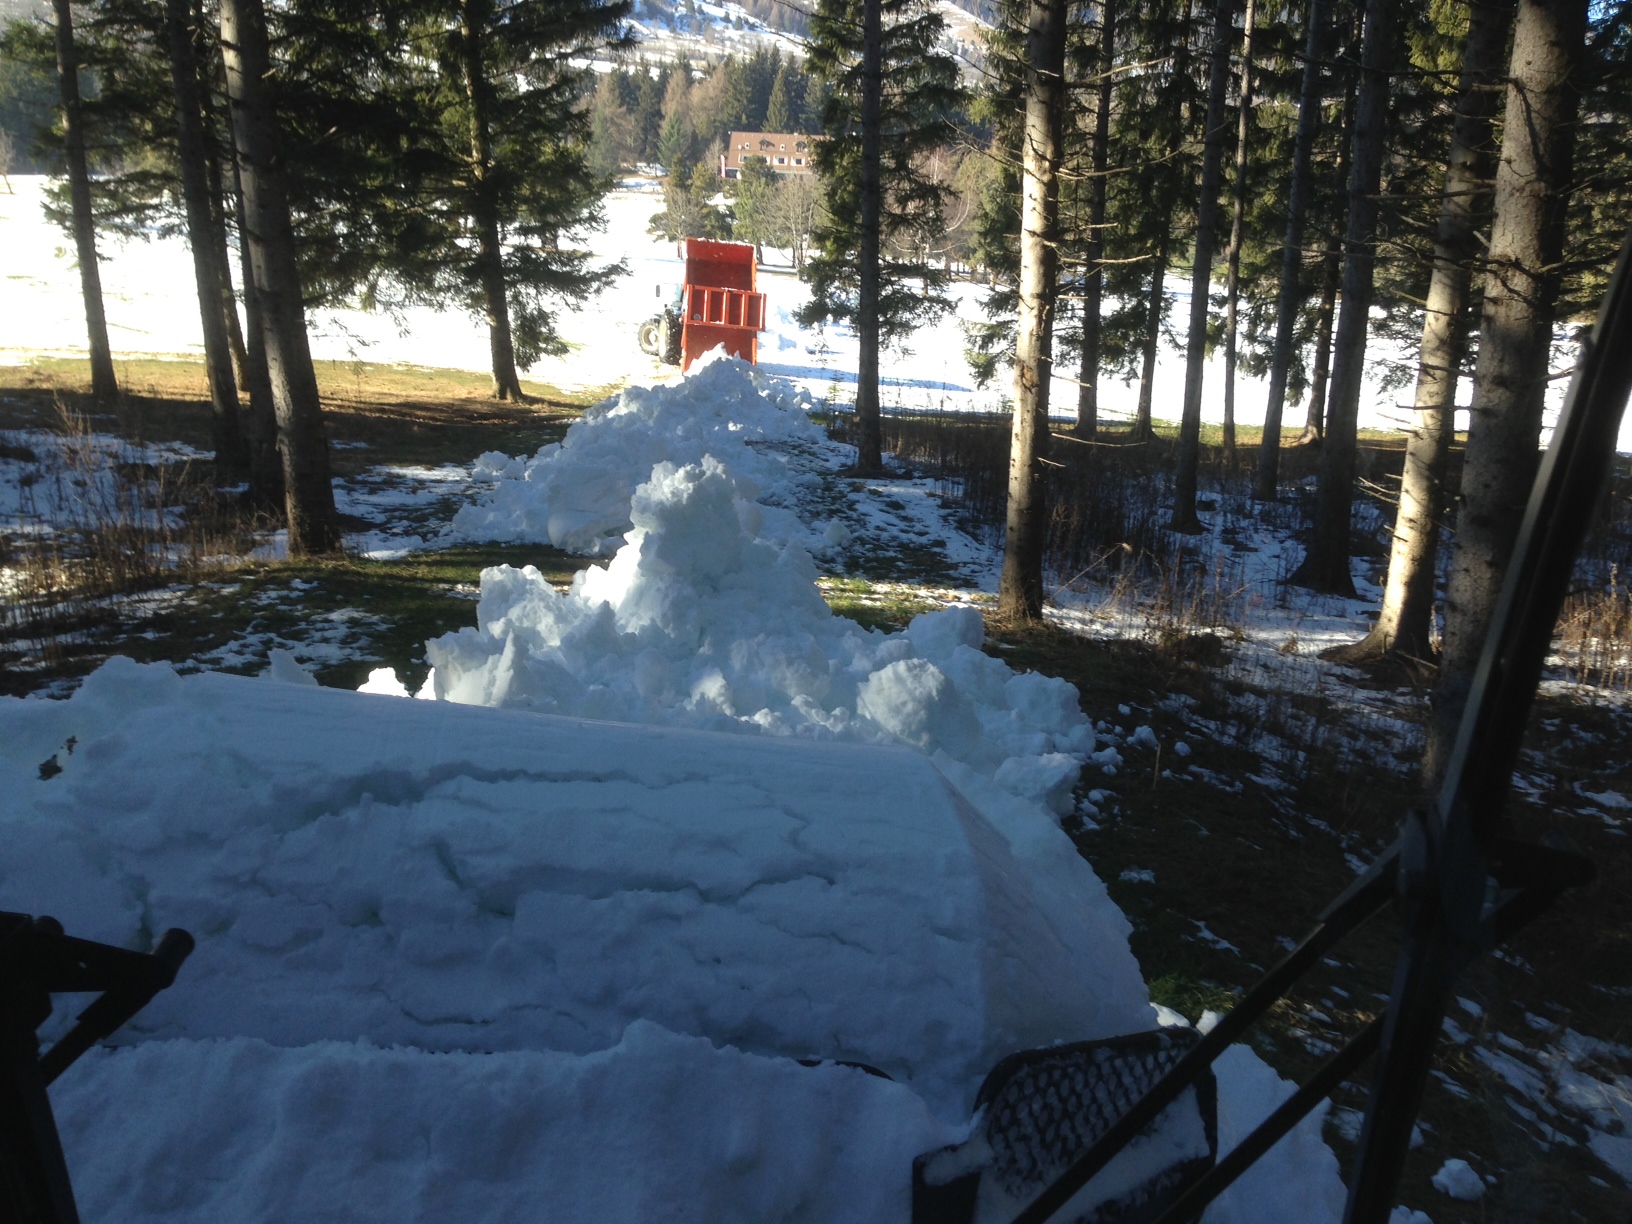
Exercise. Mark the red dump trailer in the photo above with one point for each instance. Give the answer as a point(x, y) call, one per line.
point(718, 305)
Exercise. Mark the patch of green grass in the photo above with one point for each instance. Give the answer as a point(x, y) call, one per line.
point(877, 605)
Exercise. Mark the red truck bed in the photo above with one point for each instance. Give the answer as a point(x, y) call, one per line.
point(721, 306)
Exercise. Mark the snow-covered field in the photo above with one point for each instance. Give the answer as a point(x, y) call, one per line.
point(152, 309)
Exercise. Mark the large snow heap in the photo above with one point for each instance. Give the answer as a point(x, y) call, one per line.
point(698, 621)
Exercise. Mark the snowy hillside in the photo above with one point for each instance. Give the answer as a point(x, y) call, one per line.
point(701, 30)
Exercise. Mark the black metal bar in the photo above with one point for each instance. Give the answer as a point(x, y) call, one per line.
point(1363, 899)
point(1446, 924)
point(1267, 1133)
point(119, 1004)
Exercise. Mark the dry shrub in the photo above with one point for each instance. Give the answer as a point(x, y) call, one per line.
point(1109, 509)
point(102, 523)
point(1594, 640)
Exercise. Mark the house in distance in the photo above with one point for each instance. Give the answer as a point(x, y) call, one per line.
point(784, 152)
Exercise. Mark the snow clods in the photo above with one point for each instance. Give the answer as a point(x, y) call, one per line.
point(575, 494)
point(698, 621)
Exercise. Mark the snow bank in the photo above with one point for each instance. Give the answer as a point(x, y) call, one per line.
point(575, 493)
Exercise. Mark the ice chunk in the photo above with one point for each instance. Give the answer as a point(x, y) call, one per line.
point(1457, 1179)
point(284, 667)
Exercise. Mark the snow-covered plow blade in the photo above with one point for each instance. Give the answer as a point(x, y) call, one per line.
point(1040, 1110)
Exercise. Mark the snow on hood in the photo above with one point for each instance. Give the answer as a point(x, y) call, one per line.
point(452, 878)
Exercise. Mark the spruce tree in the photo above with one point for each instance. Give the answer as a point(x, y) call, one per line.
point(887, 108)
point(517, 181)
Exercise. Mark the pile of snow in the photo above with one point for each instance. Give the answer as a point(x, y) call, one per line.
point(575, 494)
point(454, 961)
point(708, 617)
point(698, 621)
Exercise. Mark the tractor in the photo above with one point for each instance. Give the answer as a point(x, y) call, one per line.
point(717, 306)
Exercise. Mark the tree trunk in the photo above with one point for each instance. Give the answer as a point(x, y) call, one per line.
point(1515, 337)
point(1142, 428)
point(1404, 625)
point(869, 439)
point(1094, 250)
point(1232, 257)
point(261, 425)
point(1266, 478)
point(1331, 273)
point(1326, 568)
point(104, 386)
point(474, 17)
point(1020, 591)
point(231, 459)
point(1331, 276)
point(223, 262)
point(1201, 275)
point(308, 494)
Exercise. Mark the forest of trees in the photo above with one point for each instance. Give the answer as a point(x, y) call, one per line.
point(1454, 177)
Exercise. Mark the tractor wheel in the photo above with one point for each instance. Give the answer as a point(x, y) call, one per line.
point(651, 337)
point(673, 331)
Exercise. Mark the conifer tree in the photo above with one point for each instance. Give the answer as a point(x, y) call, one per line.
point(514, 137)
point(888, 106)
point(104, 386)
point(1521, 285)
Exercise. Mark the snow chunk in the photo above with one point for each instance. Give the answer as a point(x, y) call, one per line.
point(383, 681)
point(285, 668)
point(1046, 780)
point(1457, 1179)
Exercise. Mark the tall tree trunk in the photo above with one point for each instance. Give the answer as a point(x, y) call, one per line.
point(219, 233)
point(1201, 274)
point(231, 458)
point(474, 17)
point(261, 425)
point(1232, 257)
point(1094, 250)
point(308, 493)
point(1142, 427)
point(104, 386)
point(1331, 275)
point(216, 145)
point(1326, 568)
point(1404, 624)
point(869, 438)
point(1020, 591)
point(1266, 478)
point(1515, 337)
